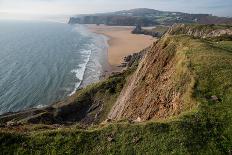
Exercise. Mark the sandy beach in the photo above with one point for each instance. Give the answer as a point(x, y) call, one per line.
point(121, 41)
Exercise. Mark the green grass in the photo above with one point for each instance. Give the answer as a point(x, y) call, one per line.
point(160, 29)
point(105, 93)
point(205, 130)
point(202, 29)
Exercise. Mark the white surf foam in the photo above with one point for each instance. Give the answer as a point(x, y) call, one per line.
point(96, 58)
point(40, 106)
point(80, 70)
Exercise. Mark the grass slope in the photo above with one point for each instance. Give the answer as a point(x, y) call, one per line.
point(205, 130)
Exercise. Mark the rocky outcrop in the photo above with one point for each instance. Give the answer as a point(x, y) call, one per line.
point(158, 31)
point(163, 82)
point(202, 31)
point(134, 59)
point(138, 30)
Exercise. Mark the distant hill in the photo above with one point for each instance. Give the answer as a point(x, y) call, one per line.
point(147, 17)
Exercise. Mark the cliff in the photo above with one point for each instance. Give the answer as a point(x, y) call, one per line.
point(174, 98)
point(88, 106)
point(163, 84)
point(147, 17)
point(158, 31)
point(203, 31)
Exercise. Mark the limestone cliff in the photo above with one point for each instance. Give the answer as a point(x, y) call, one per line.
point(201, 31)
point(157, 89)
point(163, 84)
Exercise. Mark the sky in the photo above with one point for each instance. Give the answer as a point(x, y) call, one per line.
point(26, 9)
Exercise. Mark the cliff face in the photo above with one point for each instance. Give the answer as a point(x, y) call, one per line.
point(163, 84)
point(87, 106)
point(160, 85)
point(202, 31)
point(112, 20)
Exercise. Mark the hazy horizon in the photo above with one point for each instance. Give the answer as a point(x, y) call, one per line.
point(54, 9)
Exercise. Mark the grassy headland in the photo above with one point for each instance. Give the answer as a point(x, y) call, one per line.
point(206, 128)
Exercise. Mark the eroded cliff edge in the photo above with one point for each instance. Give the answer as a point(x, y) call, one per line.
point(187, 80)
point(158, 84)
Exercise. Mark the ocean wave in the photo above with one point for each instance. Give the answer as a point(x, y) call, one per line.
point(80, 70)
point(95, 55)
point(40, 106)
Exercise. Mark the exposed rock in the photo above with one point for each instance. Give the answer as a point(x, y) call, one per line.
point(152, 90)
point(11, 123)
point(138, 119)
point(214, 98)
point(138, 30)
point(94, 106)
point(202, 31)
point(107, 120)
point(136, 140)
point(110, 139)
point(134, 59)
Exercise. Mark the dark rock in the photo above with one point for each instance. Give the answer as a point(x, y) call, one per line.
point(138, 30)
point(11, 123)
point(110, 139)
point(215, 98)
point(135, 140)
point(2, 125)
point(138, 120)
point(127, 58)
point(108, 120)
point(135, 58)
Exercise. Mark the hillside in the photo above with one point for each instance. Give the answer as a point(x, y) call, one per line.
point(176, 99)
point(146, 17)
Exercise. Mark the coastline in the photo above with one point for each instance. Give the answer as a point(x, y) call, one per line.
point(97, 65)
point(121, 43)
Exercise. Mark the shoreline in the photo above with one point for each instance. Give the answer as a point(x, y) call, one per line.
point(121, 43)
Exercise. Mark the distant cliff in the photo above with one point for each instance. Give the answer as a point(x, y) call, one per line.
point(147, 17)
point(112, 20)
point(203, 31)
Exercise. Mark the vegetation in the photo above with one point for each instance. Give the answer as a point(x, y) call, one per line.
point(88, 106)
point(206, 129)
point(210, 32)
point(147, 17)
point(102, 95)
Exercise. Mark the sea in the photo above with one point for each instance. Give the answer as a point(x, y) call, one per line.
point(44, 62)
